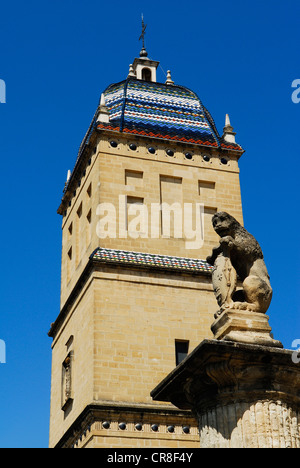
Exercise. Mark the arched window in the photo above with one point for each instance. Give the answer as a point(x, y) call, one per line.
point(146, 74)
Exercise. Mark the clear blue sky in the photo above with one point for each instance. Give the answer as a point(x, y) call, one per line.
point(56, 58)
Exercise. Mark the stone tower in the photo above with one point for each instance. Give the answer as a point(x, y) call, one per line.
point(136, 297)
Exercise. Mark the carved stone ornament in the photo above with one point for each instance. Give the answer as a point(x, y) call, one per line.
point(244, 395)
point(239, 259)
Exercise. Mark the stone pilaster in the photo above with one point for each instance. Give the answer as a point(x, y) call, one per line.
point(244, 395)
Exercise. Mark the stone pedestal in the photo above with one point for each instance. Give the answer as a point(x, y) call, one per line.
point(244, 395)
point(244, 326)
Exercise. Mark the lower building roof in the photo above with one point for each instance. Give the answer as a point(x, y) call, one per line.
point(140, 259)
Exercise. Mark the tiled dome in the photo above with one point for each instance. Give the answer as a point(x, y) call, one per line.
point(161, 111)
point(140, 105)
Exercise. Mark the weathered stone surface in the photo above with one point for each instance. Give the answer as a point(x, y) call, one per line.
point(264, 424)
point(244, 326)
point(240, 251)
point(241, 316)
point(243, 395)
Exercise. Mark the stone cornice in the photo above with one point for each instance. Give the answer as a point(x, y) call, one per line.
point(228, 371)
point(111, 258)
point(122, 412)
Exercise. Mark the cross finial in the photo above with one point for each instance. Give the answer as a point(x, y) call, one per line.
point(142, 36)
point(143, 52)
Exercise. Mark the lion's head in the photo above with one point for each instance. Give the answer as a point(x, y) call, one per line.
point(224, 224)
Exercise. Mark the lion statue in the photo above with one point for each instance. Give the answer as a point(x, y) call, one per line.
point(238, 257)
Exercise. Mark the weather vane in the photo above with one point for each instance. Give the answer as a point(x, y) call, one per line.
point(142, 36)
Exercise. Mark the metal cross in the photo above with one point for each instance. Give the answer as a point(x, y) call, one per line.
point(142, 36)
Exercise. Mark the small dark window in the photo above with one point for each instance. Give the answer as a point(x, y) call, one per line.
point(188, 155)
point(151, 150)
point(113, 144)
point(89, 216)
point(146, 74)
point(79, 211)
point(181, 351)
point(206, 158)
point(70, 253)
point(224, 161)
point(170, 152)
point(132, 146)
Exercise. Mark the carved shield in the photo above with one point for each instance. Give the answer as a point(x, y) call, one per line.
point(224, 280)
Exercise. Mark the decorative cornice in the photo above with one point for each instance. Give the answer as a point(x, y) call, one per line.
point(221, 372)
point(140, 259)
point(123, 258)
point(129, 417)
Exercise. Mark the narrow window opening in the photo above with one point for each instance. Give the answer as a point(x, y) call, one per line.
point(70, 231)
point(89, 228)
point(181, 350)
point(146, 74)
point(69, 260)
point(78, 236)
point(89, 216)
point(79, 211)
